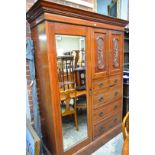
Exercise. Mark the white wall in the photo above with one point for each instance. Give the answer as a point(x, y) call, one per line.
point(67, 43)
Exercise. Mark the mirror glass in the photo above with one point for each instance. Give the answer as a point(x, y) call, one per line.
point(71, 69)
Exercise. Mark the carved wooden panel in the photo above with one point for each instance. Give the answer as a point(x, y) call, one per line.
point(100, 51)
point(115, 53)
point(100, 55)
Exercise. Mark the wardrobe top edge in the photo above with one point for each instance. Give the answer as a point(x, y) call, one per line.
point(45, 6)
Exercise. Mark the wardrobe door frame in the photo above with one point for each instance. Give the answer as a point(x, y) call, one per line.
point(100, 73)
point(118, 35)
point(69, 29)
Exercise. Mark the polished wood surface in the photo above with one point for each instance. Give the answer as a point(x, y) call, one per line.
point(43, 83)
point(99, 83)
point(73, 95)
point(105, 111)
point(66, 29)
point(63, 10)
point(118, 37)
point(104, 57)
point(106, 124)
point(100, 53)
point(66, 108)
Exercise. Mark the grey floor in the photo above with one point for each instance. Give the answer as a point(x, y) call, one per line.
point(113, 147)
point(70, 135)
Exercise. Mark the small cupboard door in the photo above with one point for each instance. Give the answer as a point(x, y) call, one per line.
point(99, 53)
point(115, 52)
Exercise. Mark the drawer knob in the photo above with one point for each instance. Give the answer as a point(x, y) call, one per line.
point(112, 85)
point(115, 120)
point(115, 107)
point(101, 114)
point(101, 128)
point(101, 99)
point(116, 93)
point(101, 85)
point(115, 81)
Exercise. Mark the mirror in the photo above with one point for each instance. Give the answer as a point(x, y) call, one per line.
point(71, 69)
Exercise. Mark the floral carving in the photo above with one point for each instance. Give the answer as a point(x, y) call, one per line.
point(115, 50)
point(100, 48)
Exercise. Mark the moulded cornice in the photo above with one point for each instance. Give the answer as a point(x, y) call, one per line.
point(45, 6)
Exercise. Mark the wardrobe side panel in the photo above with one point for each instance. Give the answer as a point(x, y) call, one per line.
point(43, 83)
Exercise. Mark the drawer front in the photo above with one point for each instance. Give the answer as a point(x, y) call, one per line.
point(106, 125)
point(115, 93)
point(100, 84)
point(106, 111)
point(115, 80)
point(100, 97)
point(107, 95)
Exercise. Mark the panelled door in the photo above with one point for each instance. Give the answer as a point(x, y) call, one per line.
point(71, 42)
point(115, 52)
point(99, 53)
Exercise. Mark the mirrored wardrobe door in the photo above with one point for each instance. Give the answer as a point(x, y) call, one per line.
point(71, 70)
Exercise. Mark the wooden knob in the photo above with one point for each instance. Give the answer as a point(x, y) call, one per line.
point(101, 99)
point(101, 114)
point(115, 107)
point(101, 85)
point(116, 93)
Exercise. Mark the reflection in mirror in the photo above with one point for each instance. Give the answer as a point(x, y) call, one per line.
point(72, 85)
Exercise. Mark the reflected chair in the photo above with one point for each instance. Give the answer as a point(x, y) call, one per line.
point(81, 102)
point(68, 104)
point(65, 71)
point(125, 131)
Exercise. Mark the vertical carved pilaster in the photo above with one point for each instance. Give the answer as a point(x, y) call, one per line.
point(100, 48)
point(115, 50)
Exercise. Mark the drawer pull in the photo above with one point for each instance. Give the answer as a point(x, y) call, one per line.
point(101, 128)
point(101, 99)
point(116, 93)
point(115, 120)
point(115, 107)
point(112, 85)
point(101, 114)
point(101, 85)
point(116, 80)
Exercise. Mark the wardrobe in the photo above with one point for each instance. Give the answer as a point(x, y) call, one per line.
point(79, 69)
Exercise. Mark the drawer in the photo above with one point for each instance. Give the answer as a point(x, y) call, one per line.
point(115, 93)
point(100, 97)
point(100, 84)
point(106, 125)
point(106, 111)
point(115, 80)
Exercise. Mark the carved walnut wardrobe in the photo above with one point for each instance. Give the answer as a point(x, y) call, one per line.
point(79, 65)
